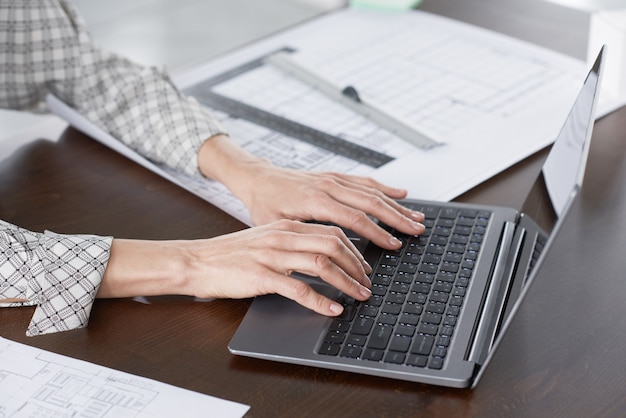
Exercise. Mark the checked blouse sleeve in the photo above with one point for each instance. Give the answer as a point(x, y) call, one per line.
point(46, 48)
point(59, 274)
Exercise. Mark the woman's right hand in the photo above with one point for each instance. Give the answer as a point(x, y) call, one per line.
point(251, 262)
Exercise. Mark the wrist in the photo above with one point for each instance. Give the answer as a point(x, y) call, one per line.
point(144, 268)
point(224, 161)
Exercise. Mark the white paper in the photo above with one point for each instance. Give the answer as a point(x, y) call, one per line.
point(36, 383)
point(493, 100)
point(608, 27)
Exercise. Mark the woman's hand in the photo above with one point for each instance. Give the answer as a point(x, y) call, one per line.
point(271, 193)
point(247, 263)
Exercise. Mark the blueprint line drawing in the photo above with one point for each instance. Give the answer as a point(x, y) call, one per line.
point(40, 384)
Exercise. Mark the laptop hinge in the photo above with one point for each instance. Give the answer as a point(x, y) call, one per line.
point(495, 295)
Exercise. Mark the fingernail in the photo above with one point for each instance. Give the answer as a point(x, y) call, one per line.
point(395, 241)
point(365, 292)
point(418, 216)
point(336, 308)
point(417, 226)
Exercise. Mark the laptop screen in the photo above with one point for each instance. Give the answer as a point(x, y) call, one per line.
point(563, 170)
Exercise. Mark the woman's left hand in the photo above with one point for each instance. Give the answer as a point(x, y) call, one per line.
point(271, 193)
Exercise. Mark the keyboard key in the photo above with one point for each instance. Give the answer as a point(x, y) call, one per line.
point(366, 310)
point(409, 319)
point(448, 213)
point(453, 258)
point(440, 352)
point(462, 230)
point(373, 355)
point(449, 320)
point(392, 309)
point(438, 241)
point(435, 249)
point(363, 326)
point(449, 267)
point(446, 277)
point(385, 270)
point(443, 341)
point(375, 300)
point(400, 343)
point(447, 330)
point(422, 344)
point(427, 269)
point(407, 268)
point(425, 278)
point(432, 259)
point(378, 290)
point(468, 213)
point(439, 297)
point(387, 319)
point(419, 298)
point(395, 357)
point(421, 288)
point(412, 258)
point(351, 351)
point(432, 318)
point(397, 297)
point(446, 223)
point(417, 361)
point(358, 340)
point(381, 280)
point(329, 349)
point(435, 363)
point(334, 337)
point(454, 310)
point(413, 308)
point(436, 307)
point(406, 330)
point(442, 287)
point(339, 326)
point(428, 329)
point(380, 337)
point(430, 212)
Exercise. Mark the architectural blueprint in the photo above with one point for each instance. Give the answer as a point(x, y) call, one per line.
point(39, 384)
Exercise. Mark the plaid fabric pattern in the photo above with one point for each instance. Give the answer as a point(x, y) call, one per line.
point(45, 48)
point(60, 274)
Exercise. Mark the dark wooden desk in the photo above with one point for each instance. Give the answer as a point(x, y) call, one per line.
point(559, 359)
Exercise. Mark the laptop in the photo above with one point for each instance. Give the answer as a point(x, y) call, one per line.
point(441, 304)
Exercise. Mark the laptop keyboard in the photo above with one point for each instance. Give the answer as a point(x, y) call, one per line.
point(417, 294)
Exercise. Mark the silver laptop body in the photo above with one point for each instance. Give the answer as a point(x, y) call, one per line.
point(507, 246)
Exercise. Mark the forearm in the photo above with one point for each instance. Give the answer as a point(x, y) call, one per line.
point(144, 268)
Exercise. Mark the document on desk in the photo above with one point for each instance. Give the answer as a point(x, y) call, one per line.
point(486, 100)
point(37, 383)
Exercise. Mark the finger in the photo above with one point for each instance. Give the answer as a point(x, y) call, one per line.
point(364, 195)
point(392, 192)
point(359, 222)
point(303, 294)
point(383, 209)
point(314, 265)
point(359, 195)
point(331, 241)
